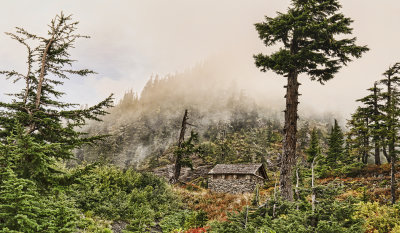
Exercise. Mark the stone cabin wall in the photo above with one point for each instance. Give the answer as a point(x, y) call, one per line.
point(234, 183)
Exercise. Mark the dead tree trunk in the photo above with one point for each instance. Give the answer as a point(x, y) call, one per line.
point(313, 195)
point(178, 164)
point(312, 187)
point(297, 187)
point(289, 141)
point(42, 73)
point(274, 206)
point(32, 124)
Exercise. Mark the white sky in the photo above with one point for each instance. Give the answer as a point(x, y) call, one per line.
point(132, 39)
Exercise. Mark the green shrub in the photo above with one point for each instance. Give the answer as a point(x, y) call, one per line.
point(379, 218)
point(183, 219)
point(24, 209)
point(114, 194)
point(283, 217)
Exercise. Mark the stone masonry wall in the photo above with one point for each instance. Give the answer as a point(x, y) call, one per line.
point(244, 185)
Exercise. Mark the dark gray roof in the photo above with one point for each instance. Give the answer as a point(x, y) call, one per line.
point(248, 169)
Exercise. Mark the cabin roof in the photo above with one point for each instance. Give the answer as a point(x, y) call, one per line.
point(247, 169)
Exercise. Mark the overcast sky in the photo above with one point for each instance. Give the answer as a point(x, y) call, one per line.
point(132, 39)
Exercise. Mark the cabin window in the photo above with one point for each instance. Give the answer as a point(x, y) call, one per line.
point(217, 177)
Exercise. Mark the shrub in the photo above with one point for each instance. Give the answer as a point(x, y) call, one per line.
point(379, 218)
point(114, 194)
point(280, 216)
point(186, 220)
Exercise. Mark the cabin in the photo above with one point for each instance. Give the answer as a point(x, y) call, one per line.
point(236, 178)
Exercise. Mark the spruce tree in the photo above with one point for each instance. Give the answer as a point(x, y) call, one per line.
point(37, 108)
point(25, 206)
point(391, 118)
point(312, 34)
point(314, 149)
point(373, 112)
point(360, 132)
point(348, 157)
point(335, 146)
point(19, 204)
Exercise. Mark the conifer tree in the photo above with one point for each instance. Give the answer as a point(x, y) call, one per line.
point(24, 206)
point(373, 112)
point(360, 132)
point(314, 149)
point(347, 155)
point(335, 145)
point(391, 118)
point(19, 204)
point(311, 33)
point(37, 108)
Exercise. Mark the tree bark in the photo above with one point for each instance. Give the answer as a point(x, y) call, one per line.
point(42, 73)
point(393, 179)
point(178, 165)
point(385, 152)
point(313, 195)
point(376, 126)
point(377, 154)
point(297, 187)
point(366, 143)
point(289, 141)
point(392, 139)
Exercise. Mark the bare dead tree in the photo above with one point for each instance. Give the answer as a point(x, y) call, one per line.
point(178, 164)
point(297, 187)
point(312, 186)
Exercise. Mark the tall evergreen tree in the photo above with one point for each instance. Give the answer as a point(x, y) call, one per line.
point(360, 130)
point(335, 145)
point(373, 112)
point(359, 135)
point(391, 118)
point(311, 33)
point(314, 149)
point(348, 157)
point(37, 108)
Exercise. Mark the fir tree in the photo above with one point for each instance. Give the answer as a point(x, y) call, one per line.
point(391, 118)
point(46, 119)
point(24, 206)
point(360, 133)
point(374, 113)
point(335, 146)
point(314, 149)
point(312, 36)
point(19, 204)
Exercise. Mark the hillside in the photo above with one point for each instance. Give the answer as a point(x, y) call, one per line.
point(143, 127)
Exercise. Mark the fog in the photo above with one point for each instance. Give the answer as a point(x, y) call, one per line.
point(131, 40)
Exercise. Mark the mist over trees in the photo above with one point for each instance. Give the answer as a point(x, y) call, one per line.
point(71, 168)
point(146, 125)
